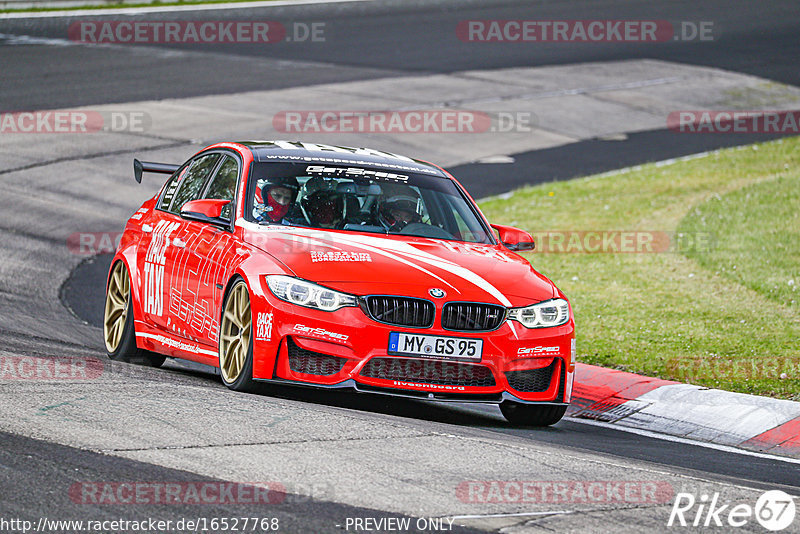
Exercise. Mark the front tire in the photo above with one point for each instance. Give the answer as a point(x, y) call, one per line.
point(532, 414)
point(235, 339)
point(118, 331)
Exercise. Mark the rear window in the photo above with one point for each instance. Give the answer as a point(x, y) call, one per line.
point(190, 181)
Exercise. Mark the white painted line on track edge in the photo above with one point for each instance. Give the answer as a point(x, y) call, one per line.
point(686, 441)
point(167, 9)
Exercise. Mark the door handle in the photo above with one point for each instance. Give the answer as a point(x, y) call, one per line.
point(178, 243)
point(146, 228)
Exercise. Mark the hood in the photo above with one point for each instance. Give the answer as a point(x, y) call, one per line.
point(364, 264)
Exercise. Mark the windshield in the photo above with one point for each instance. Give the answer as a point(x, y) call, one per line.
point(361, 199)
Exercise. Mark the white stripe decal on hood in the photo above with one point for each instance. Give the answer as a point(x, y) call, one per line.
point(383, 246)
point(374, 250)
point(380, 245)
point(425, 257)
point(430, 259)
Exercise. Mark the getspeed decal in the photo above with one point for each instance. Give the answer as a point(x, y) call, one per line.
point(176, 343)
point(312, 170)
point(320, 332)
point(538, 350)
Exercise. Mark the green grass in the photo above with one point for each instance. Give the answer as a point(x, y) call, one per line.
point(117, 5)
point(684, 315)
point(758, 233)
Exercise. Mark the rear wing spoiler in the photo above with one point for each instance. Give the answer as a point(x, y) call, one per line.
point(140, 167)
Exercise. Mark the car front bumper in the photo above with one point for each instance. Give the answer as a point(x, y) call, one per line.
point(349, 350)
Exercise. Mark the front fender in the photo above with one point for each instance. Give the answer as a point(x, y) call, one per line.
point(252, 270)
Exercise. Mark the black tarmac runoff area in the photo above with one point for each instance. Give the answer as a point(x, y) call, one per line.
point(364, 40)
point(63, 485)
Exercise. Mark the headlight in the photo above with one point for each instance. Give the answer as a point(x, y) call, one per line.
point(306, 294)
point(545, 314)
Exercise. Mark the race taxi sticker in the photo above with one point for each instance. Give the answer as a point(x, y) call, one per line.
point(154, 267)
point(264, 326)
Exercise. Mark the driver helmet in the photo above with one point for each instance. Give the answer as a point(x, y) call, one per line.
point(321, 205)
point(278, 195)
point(397, 208)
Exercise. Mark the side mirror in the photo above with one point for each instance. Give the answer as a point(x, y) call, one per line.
point(514, 238)
point(206, 210)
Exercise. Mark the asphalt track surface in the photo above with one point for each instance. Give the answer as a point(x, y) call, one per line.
point(388, 38)
point(395, 38)
point(28, 465)
point(80, 295)
point(402, 38)
point(589, 157)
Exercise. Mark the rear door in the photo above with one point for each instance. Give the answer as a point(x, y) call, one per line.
point(207, 259)
point(151, 258)
point(164, 250)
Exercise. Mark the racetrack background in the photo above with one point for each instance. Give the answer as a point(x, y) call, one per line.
point(577, 108)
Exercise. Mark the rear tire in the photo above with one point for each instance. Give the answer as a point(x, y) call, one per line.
point(532, 414)
point(236, 340)
point(118, 331)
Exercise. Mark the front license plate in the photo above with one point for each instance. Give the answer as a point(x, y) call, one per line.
point(440, 347)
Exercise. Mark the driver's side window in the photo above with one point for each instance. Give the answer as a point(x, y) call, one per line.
point(223, 184)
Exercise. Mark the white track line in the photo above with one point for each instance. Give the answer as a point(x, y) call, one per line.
point(686, 441)
point(167, 9)
point(521, 514)
point(616, 172)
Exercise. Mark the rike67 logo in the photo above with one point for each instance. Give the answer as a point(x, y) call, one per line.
point(774, 510)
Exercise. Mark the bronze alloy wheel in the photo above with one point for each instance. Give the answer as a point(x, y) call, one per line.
point(234, 341)
point(118, 329)
point(116, 312)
